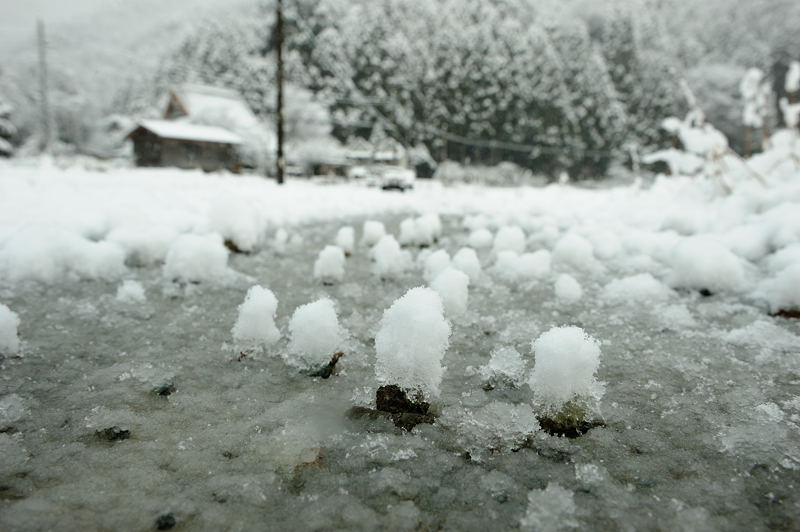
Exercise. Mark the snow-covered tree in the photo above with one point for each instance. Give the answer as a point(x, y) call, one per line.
point(7, 130)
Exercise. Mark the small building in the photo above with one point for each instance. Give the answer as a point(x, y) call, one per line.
point(184, 145)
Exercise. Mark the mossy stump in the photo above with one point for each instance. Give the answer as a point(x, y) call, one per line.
point(393, 402)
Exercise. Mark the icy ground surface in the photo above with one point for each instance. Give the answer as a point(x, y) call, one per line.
point(701, 422)
point(123, 406)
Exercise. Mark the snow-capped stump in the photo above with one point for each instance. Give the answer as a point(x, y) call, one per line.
point(640, 288)
point(703, 264)
point(316, 338)
point(346, 239)
point(436, 263)
point(567, 289)
point(467, 261)
point(480, 239)
point(196, 258)
point(255, 326)
point(505, 366)
point(506, 266)
point(238, 221)
point(509, 238)
point(420, 231)
point(563, 380)
point(390, 260)
point(453, 287)
point(534, 265)
point(431, 225)
point(130, 292)
point(9, 325)
point(371, 232)
point(574, 251)
point(329, 266)
point(410, 345)
point(166, 521)
point(782, 292)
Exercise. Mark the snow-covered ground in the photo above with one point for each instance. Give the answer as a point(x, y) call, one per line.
point(131, 394)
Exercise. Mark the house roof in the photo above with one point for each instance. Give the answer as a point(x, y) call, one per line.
point(213, 105)
point(180, 130)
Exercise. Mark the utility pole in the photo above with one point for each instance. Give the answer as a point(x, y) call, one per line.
point(43, 92)
point(280, 161)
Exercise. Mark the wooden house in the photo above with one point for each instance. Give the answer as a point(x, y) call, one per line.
point(184, 145)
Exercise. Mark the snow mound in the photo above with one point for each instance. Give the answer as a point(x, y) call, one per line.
point(497, 426)
point(567, 289)
point(453, 287)
point(390, 260)
point(574, 251)
point(255, 324)
point(764, 334)
point(372, 232)
point(782, 292)
point(566, 360)
point(130, 292)
point(436, 263)
point(346, 239)
point(641, 288)
point(534, 265)
point(196, 258)
point(238, 220)
point(9, 324)
point(505, 365)
point(506, 266)
point(329, 266)
point(701, 262)
point(509, 238)
point(549, 510)
point(418, 231)
point(480, 239)
point(467, 261)
point(315, 334)
point(411, 342)
point(143, 246)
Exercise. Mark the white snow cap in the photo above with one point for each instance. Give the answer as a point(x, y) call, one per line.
point(641, 288)
point(782, 292)
point(567, 289)
point(467, 261)
point(255, 326)
point(480, 238)
point(372, 232)
point(534, 265)
point(196, 258)
point(453, 287)
point(702, 262)
point(506, 363)
point(574, 251)
point(329, 265)
point(237, 219)
point(411, 342)
point(9, 323)
point(346, 239)
point(315, 334)
point(131, 292)
point(420, 231)
point(566, 360)
point(435, 263)
point(390, 260)
point(509, 238)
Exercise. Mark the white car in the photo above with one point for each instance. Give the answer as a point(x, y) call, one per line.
point(397, 178)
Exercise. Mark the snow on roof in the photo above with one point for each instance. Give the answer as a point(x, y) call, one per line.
point(173, 129)
point(214, 105)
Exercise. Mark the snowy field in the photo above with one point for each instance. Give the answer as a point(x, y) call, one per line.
point(143, 391)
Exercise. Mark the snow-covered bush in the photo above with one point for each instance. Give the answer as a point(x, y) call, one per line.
point(574, 251)
point(563, 377)
point(702, 263)
point(453, 287)
point(390, 260)
point(480, 239)
point(411, 342)
point(131, 292)
point(255, 325)
point(195, 258)
point(346, 239)
point(567, 289)
point(435, 263)
point(509, 238)
point(315, 334)
point(467, 261)
point(372, 232)
point(329, 266)
point(641, 288)
point(9, 324)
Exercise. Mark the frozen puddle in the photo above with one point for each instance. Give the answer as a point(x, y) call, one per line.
point(130, 408)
